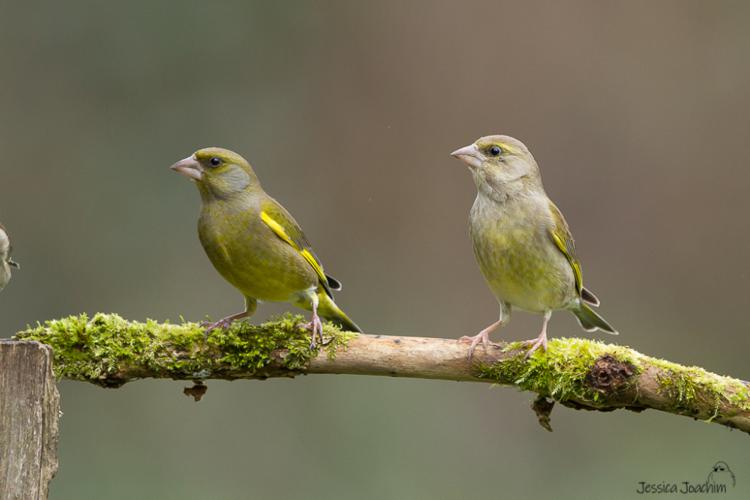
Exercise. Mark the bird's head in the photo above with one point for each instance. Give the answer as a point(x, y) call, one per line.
point(500, 163)
point(219, 173)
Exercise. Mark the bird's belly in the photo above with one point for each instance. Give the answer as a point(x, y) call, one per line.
point(261, 268)
point(524, 270)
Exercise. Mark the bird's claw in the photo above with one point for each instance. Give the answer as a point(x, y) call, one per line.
point(316, 327)
point(535, 344)
point(482, 337)
point(211, 326)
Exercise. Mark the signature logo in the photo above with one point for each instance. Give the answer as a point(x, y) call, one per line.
point(719, 480)
point(721, 473)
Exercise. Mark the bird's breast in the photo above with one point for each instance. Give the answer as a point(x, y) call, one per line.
point(517, 257)
point(250, 257)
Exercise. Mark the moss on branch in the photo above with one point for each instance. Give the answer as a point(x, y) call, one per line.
point(592, 375)
point(564, 371)
point(109, 350)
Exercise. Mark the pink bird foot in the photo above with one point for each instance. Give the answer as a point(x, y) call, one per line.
point(316, 328)
point(222, 323)
point(541, 340)
point(483, 337)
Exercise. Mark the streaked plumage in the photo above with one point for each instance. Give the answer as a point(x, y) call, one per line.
point(254, 243)
point(521, 241)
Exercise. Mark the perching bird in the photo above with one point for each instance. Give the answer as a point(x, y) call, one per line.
point(5, 261)
point(255, 244)
point(521, 240)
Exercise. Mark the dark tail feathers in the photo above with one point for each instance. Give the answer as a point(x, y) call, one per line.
point(591, 321)
point(587, 296)
point(333, 283)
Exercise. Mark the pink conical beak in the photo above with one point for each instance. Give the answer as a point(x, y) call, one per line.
point(189, 167)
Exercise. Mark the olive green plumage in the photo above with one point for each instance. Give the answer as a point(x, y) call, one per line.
point(5, 261)
point(521, 241)
point(254, 243)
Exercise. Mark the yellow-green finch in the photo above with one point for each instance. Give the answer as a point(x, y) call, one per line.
point(5, 261)
point(255, 244)
point(521, 240)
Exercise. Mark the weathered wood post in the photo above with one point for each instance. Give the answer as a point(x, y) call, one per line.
point(29, 413)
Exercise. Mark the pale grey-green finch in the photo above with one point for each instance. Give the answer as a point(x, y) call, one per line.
point(521, 240)
point(5, 261)
point(255, 244)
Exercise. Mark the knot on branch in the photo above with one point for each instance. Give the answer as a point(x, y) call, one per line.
point(608, 374)
point(197, 391)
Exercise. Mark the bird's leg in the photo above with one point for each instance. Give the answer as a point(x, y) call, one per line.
point(483, 337)
point(250, 305)
point(541, 340)
point(224, 322)
point(315, 326)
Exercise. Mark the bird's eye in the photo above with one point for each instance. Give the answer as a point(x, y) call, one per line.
point(215, 161)
point(495, 150)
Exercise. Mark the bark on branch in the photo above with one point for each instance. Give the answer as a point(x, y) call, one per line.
point(582, 374)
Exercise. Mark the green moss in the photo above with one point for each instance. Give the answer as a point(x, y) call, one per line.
point(739, 395)
point(514, 346)
point(560, 372)
point(108, 349)
point(692, 386)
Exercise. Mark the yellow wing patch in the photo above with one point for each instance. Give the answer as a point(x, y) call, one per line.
point(276, 228)
point(310, 258)
point(281, 233)
point(560, 244)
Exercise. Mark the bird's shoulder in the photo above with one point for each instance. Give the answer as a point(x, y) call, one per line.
point(558, 224)
point(559, 232)
point(281, 222)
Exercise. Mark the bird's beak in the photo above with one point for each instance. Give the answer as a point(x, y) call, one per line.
point(469, 155)
point(189, 167)
point(13, 263)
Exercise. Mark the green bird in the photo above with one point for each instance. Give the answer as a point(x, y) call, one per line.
point(5, 261)
point(521, 241)
point(255, 244)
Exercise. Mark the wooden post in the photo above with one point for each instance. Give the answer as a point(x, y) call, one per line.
point(29, 413)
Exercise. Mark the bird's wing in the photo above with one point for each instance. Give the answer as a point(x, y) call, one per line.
point(286, 228)
point(563, 240)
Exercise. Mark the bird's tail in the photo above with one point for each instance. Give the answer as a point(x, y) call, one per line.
point(591, 321)
point(328, 309)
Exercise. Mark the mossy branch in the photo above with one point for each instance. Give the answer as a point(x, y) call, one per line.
point(109, 351)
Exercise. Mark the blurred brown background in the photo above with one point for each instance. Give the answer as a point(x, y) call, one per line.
point(637, 113)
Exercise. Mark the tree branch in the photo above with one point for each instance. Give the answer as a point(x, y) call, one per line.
point(109, 351)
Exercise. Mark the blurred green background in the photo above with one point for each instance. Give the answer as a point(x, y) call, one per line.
point(637, 113)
